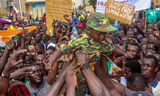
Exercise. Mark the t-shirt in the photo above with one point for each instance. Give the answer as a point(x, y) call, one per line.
point(155, 87)
point(74, 20)
point(41, 91)
point(156, 90)
point(152, 15)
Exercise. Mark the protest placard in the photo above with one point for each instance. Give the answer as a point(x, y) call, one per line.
point(120, 11)
point(139, 4)
point(56, 9)
point(156, 2)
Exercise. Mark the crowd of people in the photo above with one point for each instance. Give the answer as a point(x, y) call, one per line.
point(74, 61)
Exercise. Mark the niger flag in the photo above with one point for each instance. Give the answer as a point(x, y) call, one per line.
point(6, 35)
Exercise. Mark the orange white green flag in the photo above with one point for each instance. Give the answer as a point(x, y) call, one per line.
point(6, 35)
point(112, 67)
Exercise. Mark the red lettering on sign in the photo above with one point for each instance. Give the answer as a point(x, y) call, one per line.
point(100, 3)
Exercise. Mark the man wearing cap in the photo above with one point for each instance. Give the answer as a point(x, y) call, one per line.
point(91, 42)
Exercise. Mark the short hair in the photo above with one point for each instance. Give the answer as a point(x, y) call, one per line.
point(153, 58)
point(134, 66)
point(137, 78)
point(135, 44)
point(40, 45)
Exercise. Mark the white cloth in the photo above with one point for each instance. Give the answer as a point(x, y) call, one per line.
point(139, 4)
point(156, 90)
point(51, 45)
point(123, 81)
point(74, 33)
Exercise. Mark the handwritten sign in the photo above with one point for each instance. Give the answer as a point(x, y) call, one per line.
point(120, 11)
point(56, 9)
point(156, 2)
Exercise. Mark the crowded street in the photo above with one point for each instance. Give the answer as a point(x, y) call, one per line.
point(80, 48)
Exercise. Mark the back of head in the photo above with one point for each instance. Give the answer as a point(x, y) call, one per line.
point(136, 82)
point(135, 44)
point(134, 66)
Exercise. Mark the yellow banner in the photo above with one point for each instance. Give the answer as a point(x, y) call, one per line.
point(56, 9)
point(120, 11)
point(156, 2)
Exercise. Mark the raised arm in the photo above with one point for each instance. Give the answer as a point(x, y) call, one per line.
point(56, 87)
point(71, 81)
point(10, 46)
point(95, 85)
point(53, 58)
point(101, 74)
point(5, 78)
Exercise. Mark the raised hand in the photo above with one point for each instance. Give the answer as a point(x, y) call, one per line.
point(71, 78)
point(9, 67)
point(66, 17)
point(47, 65)
point(82, 58)
point(24, 32)
point(20, 72)
point(16, 53)
point(10, 44)
point(12, 60)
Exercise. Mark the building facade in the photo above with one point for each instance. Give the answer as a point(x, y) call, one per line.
point(35, 8)
point(3, 8)
point(26, 8)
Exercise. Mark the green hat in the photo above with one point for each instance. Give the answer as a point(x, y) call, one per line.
point(100, 22)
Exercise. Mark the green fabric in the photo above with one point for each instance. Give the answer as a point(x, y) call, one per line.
point(100, 22)
point(152, 15)
point(112, 67)
point(15, 37)
point(26, 80)
point(109, 65)
point(87, 45)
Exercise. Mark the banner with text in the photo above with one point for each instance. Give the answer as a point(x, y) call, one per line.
point(139, 4)
point(56, 9)
point(120, 11)
point(156, 2)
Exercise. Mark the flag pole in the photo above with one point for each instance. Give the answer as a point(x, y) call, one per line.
point(20, 7)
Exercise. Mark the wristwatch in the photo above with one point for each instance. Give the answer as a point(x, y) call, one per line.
point(84, 66)
point(96, 59)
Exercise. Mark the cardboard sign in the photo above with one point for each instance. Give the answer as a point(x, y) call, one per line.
point(90, 9)
point(56, 9)
point(156, 2)
point(119, 11)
